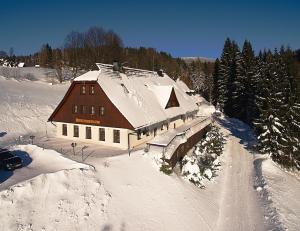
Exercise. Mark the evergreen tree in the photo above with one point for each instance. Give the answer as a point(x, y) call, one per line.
point(216, 76)
point(245, 84)
point(224, 74)
point(235, 59)
point(272, 105)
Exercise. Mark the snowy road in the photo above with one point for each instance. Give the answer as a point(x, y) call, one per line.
point(240, 208)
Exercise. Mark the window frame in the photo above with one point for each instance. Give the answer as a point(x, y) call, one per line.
point(101, 138)
point(92, 90)
point(116, 136)
point(90, 133)
point(83, 90)
point(64, 129)
point(83, 109)
point(76, 131)
point(101, 110)
point(75, 107)
point(92, 110)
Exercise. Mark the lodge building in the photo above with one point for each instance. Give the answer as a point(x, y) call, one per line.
point(123, 108)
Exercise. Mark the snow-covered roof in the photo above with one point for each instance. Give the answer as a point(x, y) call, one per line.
point(162, 94)
point(141, 96)
point(21, 64)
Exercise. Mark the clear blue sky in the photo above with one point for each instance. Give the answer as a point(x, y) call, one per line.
point(182, 28)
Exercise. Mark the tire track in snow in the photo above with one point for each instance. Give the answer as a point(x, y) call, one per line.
point(240, 208)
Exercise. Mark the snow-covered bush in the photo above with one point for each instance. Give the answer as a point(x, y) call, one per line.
point(191, 171)
point(204, 161)
point(166, 168)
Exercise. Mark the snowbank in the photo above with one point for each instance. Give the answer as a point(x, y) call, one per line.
point(143, 198)
point(64, 200)
point(283, 191)
point(124, 193)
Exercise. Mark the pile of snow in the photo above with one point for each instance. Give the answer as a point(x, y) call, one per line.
point(65, 200)
point(143, 198)
point(205, 109)
point(52, 193)
point(282, 189)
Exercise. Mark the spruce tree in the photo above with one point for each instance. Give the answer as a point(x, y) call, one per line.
point(245, 85)
point(225, 73)
point(272, 105)
point(216, 76)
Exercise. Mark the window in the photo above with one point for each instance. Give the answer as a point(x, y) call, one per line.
point(83, 109)
point(92, 90)
point(162, 127)
point(116, 136)
point(101, 110)
point(83, 90)
point(102, 134)
point(88, 133)
point(139, 134)
point(64, 130)
point(75, 109)
point(76, 131)
point(93, 110)
point(155, 130)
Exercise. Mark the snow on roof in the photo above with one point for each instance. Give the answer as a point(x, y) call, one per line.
point(162, 94)
point(141, 96)
point(182, 85)
point(89, 76)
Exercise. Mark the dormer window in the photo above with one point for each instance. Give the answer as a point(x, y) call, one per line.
point(83, 90)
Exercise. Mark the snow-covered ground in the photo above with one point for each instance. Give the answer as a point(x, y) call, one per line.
point(128, 192)
point(280, 191)
point(25, 106)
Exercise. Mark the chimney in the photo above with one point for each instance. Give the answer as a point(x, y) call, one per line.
point(160, 73)
point(116, 66)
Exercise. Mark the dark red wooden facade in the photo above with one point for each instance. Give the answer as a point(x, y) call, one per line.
point(173, 101)
point(97, 98)
point(183, 148)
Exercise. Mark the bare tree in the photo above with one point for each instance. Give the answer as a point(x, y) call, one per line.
point(74, 45)
point(58, 64)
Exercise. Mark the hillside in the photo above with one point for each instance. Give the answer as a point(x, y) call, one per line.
point(131, 193)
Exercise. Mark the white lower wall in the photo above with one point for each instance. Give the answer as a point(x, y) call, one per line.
point(124, 134)
point(95, 134)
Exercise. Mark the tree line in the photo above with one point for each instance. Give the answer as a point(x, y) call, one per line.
point(81, 50)
point(263, 91)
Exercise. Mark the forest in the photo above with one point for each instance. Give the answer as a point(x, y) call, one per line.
point(263, 91)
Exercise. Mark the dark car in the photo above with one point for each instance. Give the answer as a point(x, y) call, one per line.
point(8, 160)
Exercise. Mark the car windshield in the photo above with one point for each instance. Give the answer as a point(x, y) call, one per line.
point(13, 160)
point(5, 155)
